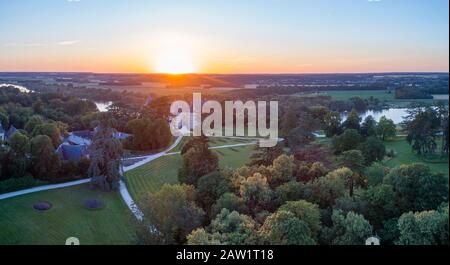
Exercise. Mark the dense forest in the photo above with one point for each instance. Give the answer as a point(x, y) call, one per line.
point(304, 192)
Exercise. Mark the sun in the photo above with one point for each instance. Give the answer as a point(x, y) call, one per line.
point(174, 61)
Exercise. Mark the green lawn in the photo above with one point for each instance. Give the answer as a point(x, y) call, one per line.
point(151, 176)
point(404, 155)
point(364, 94)
point(21, 224)
point(383, 95)
point(235, 157)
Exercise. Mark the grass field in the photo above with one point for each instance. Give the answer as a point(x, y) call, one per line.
point(404, 155)
point(21, 224)
point(364, 94)
point(383, 95)
point(151, 176)
point(213, 142)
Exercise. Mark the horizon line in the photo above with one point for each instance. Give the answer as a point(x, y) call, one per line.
point(212, 73)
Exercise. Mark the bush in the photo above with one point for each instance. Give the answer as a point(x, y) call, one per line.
point(16, 184)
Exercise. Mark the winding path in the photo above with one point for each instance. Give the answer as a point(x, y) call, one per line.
point(126, 196)
point(43, 188)
point(84, 181)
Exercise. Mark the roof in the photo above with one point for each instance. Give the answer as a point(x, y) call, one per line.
point(77, 140)
point(72, 152)
point(86, 137)
point(84, 134)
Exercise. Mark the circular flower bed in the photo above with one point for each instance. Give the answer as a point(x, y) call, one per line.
point(94, 204)
point(42, 206)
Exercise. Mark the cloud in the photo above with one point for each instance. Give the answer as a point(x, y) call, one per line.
point(73, 1)
point(68, 42)
point(373, 1)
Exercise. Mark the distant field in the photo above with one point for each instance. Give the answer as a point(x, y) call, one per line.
point(383, 95)
point(404, 155)
point(364, 94)
point(21, 224)
point(150, 177)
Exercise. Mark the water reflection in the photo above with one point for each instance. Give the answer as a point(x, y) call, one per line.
point(20, 88)
point(103, 106)
point(397, 115)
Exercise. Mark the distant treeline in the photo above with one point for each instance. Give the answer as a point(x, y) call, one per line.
point(289, 90)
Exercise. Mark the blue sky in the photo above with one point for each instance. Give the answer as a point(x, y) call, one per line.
point(225, 36)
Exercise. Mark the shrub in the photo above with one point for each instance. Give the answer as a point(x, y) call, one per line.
point(16, 184)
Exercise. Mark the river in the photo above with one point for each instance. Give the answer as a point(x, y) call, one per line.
point(21, 88)
point(397, 115)
point(102, 106)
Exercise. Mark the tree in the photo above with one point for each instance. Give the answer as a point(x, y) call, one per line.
point(307, 172)
point(380, 204)
point(421, 127)
point(32, 123)
point(445, 135)
point(38, 106)
point(373, 150)
point(325, 190)
point(229, 201)
point(424, 228)
point(210, 187)
point(265, 155)
point(385, 128)
point(354, 160)
point(299, 137)
point(149, 134)
point(49, 129)
point(375, 174)
point(289, 191)
point(302, 135)
point(283, 228)
point(172, 213)
point(349, 228)
point(16, 159)
point(369, 127)
point(200, 237)
point(358, 103)
point(19, 116)
point(4, 120)
point(306, 212)
point(235, 228)
point(313, 153)
point(255, 191)
point(353, 121)
point(198, 161)
point(45, 162)
point(349, 140)
point(20, 144)
point(332, 124)
point(412, 185)
point(289, 121)
point(281, 170)
point(105, 153)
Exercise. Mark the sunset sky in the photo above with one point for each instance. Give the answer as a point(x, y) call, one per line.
point(252, 36)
